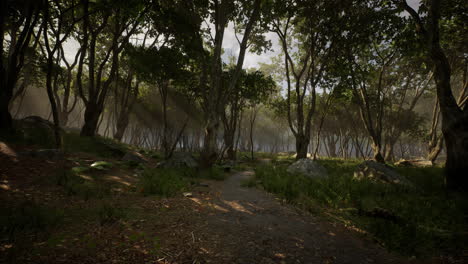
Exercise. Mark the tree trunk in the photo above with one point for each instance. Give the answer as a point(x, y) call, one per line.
point(208, 154)
point(229, 141)
point(302, 145)
point(91, 119)
point(121, 126)
point(376, 148)
point(6, 122)
point(434, 149)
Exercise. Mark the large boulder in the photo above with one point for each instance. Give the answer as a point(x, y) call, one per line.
point(51, 154)
point(179, 160)
point(380, 172)
point(35, 129)
point(309, 168)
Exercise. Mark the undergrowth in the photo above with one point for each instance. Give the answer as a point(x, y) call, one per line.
point(421, 221)
point(162, 182)
point(27, 217)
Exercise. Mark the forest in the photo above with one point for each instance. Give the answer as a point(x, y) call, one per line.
point(233, 131)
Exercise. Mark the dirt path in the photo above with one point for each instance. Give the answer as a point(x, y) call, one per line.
point(246, 225)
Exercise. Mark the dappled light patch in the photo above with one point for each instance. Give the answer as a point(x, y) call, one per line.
point(237, 206)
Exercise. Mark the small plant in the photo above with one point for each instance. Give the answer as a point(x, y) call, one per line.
point(162, 182)
point(109, 214)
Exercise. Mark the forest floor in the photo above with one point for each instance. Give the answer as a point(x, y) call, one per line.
point(217, 222)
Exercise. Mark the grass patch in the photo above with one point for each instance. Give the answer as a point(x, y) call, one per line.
point(214, 173)
point(99, 146)
point(85, 187)
point(162, 182)
point(425, 221)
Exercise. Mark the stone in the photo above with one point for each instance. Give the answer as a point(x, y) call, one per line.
point(101, 165)
point(134, 157)
point(35, 128)
point(228, 165)
point(373, 170)
point(51, 154)
point(179, 160)
point(308, 168)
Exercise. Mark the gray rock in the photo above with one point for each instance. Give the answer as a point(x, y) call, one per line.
point(309, 168)
point(179, 160)
point(380, 172)
point(34, 128)
point(135, 157)
point(53, 154)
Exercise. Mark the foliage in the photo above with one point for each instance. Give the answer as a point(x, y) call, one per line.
point(214, 173)
point(162, 182)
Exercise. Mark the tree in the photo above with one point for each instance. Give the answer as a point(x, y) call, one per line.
point(104, 33)
point(252, 88)
point(307, 34)
point(454, 116)
point(165, 67)
point(19, 19)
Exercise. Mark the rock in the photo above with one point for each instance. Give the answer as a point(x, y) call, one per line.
point(101, 165)
point(36, 129)
point(380, 172)
point(228, 165)
point(134, 157)
point(52, 154)
point(179, 160)
point(309, 168)
point(414, 163)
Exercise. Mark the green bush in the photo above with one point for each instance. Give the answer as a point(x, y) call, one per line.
point(423, 221)
point(162, 182)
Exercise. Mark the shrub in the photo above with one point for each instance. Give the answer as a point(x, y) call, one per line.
point(73, 184)
point(162, 182)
